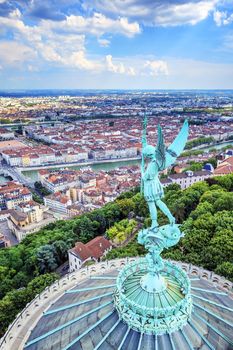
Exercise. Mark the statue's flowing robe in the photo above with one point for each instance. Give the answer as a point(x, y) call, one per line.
point(163, 158)
point(153, 189)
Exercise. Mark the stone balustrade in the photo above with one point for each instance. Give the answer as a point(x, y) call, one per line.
point(19, 331)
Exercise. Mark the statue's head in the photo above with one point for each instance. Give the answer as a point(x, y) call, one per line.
point(149, 151)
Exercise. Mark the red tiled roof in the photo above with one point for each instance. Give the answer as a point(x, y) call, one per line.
point(224, 170)
point(225, 167)
point(98, 246)
point(81, 251)
point(95, 248)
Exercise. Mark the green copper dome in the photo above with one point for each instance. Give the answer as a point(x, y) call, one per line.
point(153, 311)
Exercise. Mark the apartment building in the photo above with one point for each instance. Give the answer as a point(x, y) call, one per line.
point(187, 178)
point(13, 194)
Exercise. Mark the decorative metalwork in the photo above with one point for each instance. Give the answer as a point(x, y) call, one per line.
point(153, 296)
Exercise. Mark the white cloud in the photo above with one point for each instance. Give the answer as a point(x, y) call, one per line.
point(157, 67)
point(188, 13)
point(159, 12)
point(219, 17)
point(79, 60)
point(63, 42)
point(97, 25)
point(13, 53)
point(228, 20)
point(115, 68)
point(137, 66)
point(118, 67)
point(15, 14)
point(222, 18)
point(104, 42)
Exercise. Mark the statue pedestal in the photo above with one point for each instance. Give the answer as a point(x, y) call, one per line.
point(153, 303)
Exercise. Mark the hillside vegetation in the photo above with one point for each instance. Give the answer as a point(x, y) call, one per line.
point(204, 209)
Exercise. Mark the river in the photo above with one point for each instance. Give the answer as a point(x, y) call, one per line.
point(4, 179)
point(33, 174)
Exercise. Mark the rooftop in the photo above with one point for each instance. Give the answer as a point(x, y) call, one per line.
point(77, 312)
point(94, 248)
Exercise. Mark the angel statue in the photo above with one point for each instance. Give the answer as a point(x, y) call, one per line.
point(159, 159)
point(154, 160)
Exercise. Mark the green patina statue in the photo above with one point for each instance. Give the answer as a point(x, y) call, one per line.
point(152, 295)
point(159, 158)
point(157, 238)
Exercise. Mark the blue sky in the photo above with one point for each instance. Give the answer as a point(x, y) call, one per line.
point(131, 44)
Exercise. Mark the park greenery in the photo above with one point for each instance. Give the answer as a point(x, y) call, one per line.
point(41, 189)
point(196, 152)
point(121, 230)
point(192, 153)
point(204, 210)
point(199, 141)
point(194, 166)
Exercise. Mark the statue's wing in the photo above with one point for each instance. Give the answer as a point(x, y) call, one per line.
point(177, 146)
point(160, 151)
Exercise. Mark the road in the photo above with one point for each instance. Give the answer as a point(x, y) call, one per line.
point(4, 229)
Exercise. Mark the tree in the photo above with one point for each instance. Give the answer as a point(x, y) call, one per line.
point(112, 213)
point(172, 187)
point(141, 207)
point(61, 248)
point(131, 249)
point(225, 269)
point(121, 230)
point(46, 258)
point(224, 202)
point(226, 182)
point(202, 208)
point(16, 300)
point(98, 216)
point(126, 206)
point(194, 166)
point(195, 241)
point(38, 284)
point(220, 249)
point(85, 229)
point(211, 196)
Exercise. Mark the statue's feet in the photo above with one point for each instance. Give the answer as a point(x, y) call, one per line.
point(154, 225)
point(172, 220)
point(154, 228)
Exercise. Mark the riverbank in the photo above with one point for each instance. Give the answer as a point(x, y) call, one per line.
point(97, 166)
point(106, 165)
point(77, 164)
point(217, 145)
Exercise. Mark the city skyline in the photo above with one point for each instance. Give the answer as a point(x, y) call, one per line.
point(123, 44)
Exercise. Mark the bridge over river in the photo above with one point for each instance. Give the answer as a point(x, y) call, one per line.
point(16, 175)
